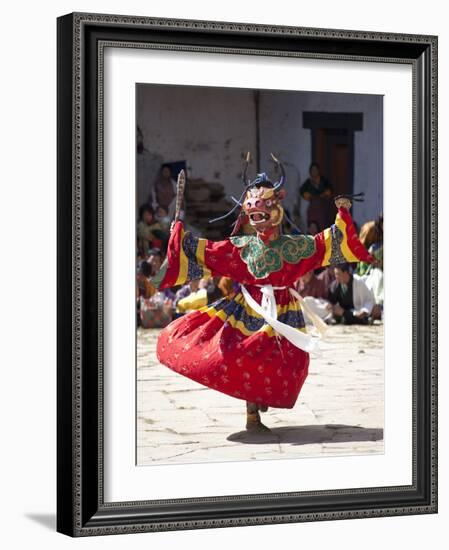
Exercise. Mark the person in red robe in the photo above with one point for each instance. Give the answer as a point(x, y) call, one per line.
point(252, 344)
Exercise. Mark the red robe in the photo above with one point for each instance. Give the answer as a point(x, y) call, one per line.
point(228, 346)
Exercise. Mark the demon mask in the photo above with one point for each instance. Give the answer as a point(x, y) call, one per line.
point(260, 202)
point(262, 205)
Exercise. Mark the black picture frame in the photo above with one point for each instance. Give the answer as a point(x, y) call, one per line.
point(81, 509)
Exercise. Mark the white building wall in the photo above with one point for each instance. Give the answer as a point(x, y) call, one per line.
point(212, 128)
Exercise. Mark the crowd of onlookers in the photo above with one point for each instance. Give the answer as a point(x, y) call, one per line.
point(346, 293)
point(350, 294)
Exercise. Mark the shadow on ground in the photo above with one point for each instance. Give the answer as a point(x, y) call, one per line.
point(306, 435)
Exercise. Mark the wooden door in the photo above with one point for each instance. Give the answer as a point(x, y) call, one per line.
point(333, 150)
point(333, 147)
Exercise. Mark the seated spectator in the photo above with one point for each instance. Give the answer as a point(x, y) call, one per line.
point(314, 292)
point(144, 285)
point(327, 275)
point(155, 312)
point(155, 260)
point(373, 274)
point(372, 236)
point(149, 231)
point(163, 218)
point(352, 302)
point(155, 307)
point(376, 250)
point(372, 232)
point(310, 285)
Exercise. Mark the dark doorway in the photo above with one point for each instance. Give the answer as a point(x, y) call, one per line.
point(332, 136)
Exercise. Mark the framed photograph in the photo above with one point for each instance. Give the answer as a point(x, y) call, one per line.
point(247, 274)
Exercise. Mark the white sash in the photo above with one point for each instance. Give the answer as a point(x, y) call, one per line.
point(268, 310)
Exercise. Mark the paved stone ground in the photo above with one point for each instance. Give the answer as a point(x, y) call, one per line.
point(340, 410)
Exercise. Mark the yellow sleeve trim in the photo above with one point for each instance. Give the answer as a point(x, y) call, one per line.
point(200, 257)
point(328, 246)
point(349, 256)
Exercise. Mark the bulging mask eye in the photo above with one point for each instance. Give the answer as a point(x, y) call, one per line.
point(269, 203)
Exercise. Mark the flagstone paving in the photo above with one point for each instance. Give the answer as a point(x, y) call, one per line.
point(340, 410)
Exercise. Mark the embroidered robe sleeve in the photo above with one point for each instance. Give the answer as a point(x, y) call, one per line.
point(340, 244)
point(189, 258)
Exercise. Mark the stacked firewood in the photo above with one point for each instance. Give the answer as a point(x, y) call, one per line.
point(204, 201)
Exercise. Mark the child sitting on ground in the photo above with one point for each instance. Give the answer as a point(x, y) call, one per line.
point(149, 231)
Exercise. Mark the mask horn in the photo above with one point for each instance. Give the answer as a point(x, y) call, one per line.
point(281, 181)
point(238, 202)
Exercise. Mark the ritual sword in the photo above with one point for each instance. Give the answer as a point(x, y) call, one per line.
point(180, 187)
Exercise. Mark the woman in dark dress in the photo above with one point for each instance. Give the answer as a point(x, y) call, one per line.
point(317, 191)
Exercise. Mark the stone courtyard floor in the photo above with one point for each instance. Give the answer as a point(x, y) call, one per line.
point(340, 410)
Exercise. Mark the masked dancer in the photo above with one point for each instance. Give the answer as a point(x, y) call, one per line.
point(252, 344)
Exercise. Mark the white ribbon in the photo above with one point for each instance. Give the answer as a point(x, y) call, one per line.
point(268, 310)
point(317, 322)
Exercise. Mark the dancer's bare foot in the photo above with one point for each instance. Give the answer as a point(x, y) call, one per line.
point(253, 422)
